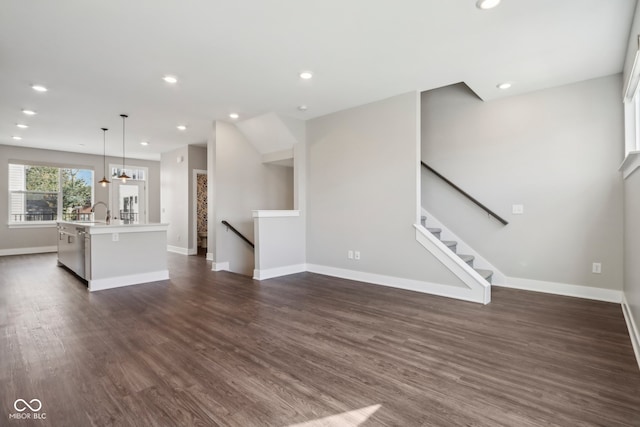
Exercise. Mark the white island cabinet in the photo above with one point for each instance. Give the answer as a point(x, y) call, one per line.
point(113, 255)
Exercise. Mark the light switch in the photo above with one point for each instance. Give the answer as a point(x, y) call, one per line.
point(517, 209)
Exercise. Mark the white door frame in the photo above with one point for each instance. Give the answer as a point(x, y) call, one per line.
point(194, 203)
point(146, 188)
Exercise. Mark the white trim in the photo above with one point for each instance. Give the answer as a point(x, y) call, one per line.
point(475, 283)
point(220, 266)
point(270, 273)
point(132, 279)
point(178, 250)
point(124, 228)
point(275, 214)
point(630, 164)
point(26, 251)
point(632, 82)
point(461, 293)
point(587, 292)
point(209, 256)
point(634, 334)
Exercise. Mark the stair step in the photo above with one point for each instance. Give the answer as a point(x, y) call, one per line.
point(435, 231)
point(467, 258)
point(423, 220)
point(451, 244)
point(486, 274)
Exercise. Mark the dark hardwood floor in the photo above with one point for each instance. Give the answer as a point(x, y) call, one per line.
point(211, 349)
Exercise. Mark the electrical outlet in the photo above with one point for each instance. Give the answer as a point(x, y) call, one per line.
point(115, 237)
point(357, 255)
point(178, 237)
point(596, 268)
point(350, 254)
point(517, 209)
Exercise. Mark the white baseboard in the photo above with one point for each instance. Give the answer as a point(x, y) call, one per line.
point(588, 292)
point(634, 333)
point(132, 279)
point(220, 266)
point(178, 250)
point(26, 251)
point(270, 273)
point(209, 256)
point(461, 293)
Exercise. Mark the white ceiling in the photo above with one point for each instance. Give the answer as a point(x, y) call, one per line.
point(103, 58)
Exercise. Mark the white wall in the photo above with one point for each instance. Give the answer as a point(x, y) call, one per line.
point(242, 184)
point(175, 197)
point(631, 218)
point(280, 243)
point(556, 152)
point(632, 246)
point(363, 191)
point(632, 46)
point(14, 239)
point(177, 194)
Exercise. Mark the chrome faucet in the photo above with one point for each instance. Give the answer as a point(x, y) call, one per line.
point(108, 218)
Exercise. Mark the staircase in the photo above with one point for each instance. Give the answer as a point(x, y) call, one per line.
point(452, 246)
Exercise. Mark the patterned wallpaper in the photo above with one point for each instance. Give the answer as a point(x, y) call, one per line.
point(202, 203)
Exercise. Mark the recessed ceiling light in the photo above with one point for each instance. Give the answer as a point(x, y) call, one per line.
point(302, 107)
point(487, 4)
point(18, 138)
point(306, 75)
point(181, 127)
point(170, 79)
point(81, 145)
point(234, 115)
point(504, 86)
point(22, 126)
point(145, 143)
point(39, 88)
point(29, 112)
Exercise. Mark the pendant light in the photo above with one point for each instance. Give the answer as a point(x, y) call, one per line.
point(123, 176)
point(104, 181)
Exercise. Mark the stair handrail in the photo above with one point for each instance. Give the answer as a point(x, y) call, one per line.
point(232, 228)
point(464, 193)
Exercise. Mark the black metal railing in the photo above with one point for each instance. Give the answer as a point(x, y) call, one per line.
point(34, 216)
point(464, 193)
point(51, 216)
point(129, 217)
point(230, 227)
point(78, 216)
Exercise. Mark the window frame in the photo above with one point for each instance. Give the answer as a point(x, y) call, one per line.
point(60, 195)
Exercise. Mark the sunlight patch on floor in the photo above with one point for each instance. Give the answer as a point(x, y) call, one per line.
point(346, 419)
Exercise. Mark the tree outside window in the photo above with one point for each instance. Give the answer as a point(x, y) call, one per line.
point(47, 193)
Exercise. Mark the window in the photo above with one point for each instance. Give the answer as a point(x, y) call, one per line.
point(137, 174)
point(47, 193)
point(632, 123)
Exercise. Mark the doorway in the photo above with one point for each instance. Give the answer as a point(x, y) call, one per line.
point(199, 220)
point(128, 202)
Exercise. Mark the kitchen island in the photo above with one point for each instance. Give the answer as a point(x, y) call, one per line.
point(113, 255)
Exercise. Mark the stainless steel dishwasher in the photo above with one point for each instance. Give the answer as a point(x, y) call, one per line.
point(71, 248)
